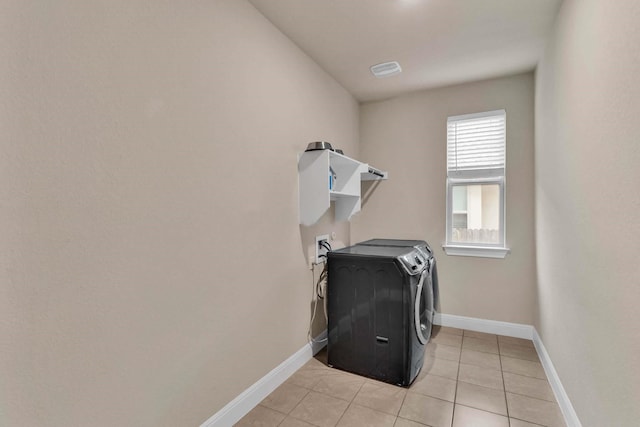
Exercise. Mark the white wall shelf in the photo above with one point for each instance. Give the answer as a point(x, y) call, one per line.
point(318, 190)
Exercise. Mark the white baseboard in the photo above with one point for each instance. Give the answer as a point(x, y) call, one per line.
point(570, 416)
point(519, 331)
point(516, 330)
point(248, 399)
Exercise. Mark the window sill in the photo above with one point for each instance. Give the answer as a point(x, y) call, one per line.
point(476, 251)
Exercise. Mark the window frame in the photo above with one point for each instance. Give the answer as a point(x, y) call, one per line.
point(488, 176)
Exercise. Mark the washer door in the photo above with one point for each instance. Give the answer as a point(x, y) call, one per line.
point(423, 312)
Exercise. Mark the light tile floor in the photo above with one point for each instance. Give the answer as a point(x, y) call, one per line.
point(468, 379)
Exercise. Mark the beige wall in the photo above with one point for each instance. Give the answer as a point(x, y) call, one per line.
point(151, 262)
point(148, 153)
point(588, 207)
point(407, 137)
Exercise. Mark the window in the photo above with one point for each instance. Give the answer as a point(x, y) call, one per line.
point(476, 185)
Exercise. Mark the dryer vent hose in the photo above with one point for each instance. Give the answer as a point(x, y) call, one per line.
point(320, 288)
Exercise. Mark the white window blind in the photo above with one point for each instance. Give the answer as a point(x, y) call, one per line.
point(476, 142)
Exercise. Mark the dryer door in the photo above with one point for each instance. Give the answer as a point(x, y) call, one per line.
point(423, 312)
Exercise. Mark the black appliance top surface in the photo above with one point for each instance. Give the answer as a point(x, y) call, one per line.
point(413, 260)
point(392, 242)
point(381, 251)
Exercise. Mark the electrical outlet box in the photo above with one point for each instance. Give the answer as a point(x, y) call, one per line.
point(321, 249)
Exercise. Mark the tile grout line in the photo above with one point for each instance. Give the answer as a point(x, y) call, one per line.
point(482, 410)
point(306, 394)
point(533, 397)
point(350, 402)
point(402, 404)
point(522, 374)
point(519, 394)
point(527, 376)
point(455, 394)
point(504, 386)
point(289, 414)
point(345, 411)
point(431, 397)
point(286, 414)
point(311, 389)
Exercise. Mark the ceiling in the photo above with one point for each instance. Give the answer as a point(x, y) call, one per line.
point(437, 42)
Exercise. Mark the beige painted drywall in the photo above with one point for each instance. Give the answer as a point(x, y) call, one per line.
point(588, 207)
point(151, 262)
point(407, 137)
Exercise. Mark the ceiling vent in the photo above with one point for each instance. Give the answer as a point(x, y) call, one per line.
point(386, 69)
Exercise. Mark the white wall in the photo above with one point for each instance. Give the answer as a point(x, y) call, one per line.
point(407, 137)
point(588, 207)
point(151, 262)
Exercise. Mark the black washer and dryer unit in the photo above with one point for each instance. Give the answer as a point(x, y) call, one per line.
point(380, 311)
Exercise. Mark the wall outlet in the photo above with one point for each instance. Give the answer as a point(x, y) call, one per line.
point(321, 250)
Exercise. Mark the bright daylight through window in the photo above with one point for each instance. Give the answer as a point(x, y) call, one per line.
point(476, 184)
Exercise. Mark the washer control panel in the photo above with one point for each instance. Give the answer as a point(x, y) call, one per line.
point(414, 262)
